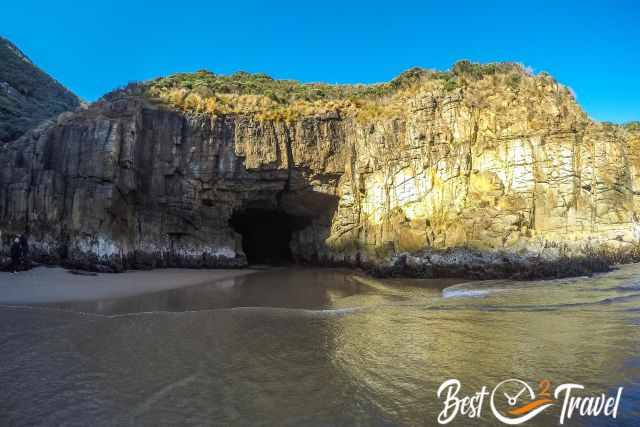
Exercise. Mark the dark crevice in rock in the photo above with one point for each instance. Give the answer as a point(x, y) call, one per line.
point(266, 234)
point(290, 160)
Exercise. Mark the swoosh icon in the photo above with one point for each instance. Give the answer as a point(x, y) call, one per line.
point(523, 413)
point(529, 406)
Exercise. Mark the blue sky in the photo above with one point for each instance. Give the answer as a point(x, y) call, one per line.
point(93, 47)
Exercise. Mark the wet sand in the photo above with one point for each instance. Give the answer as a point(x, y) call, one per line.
point(48, 285)
point(310, 347)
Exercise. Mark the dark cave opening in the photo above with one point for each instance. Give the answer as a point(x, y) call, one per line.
point(266, 234)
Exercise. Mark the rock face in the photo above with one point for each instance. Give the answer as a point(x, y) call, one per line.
point(27, 95)
point(480, 180)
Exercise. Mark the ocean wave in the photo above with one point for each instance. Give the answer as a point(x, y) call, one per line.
point(461, 293)
point(306, 312)
point(475, 289)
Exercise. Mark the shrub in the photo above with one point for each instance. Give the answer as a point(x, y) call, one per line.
point(468, 68)
point(410, 77)
point(632, 126)
point(450, 84)
point(514, 80)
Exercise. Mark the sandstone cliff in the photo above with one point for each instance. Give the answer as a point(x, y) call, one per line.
point(484, 171)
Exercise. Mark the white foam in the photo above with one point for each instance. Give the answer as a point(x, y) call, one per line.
point(457, 293)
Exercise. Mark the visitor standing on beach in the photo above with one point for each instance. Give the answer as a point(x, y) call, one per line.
point(16, 255)
point(24, 252)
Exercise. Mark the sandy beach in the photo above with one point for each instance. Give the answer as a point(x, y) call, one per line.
point(47, 285)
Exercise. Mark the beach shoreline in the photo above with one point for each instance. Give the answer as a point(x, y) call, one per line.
point(57, 284)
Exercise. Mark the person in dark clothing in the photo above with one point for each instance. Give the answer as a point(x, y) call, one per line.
point(24, 252)
point(16, 252)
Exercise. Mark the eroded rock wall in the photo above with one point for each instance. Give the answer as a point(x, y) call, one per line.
point(461, 180)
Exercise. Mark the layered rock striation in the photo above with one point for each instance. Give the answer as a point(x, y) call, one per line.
point(479, 172)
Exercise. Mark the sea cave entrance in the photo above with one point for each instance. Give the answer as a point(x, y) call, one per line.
point(266, 234)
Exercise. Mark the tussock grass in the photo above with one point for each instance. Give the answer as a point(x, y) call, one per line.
point(266, 98)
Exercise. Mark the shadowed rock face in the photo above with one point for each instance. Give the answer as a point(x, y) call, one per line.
point(125, 184)
point(27, 95)
point(463, 182)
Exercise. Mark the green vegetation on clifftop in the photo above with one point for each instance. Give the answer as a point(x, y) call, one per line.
point(27, 95)
point(268, 98)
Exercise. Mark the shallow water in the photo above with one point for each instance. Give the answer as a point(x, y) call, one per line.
point(317, 348)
